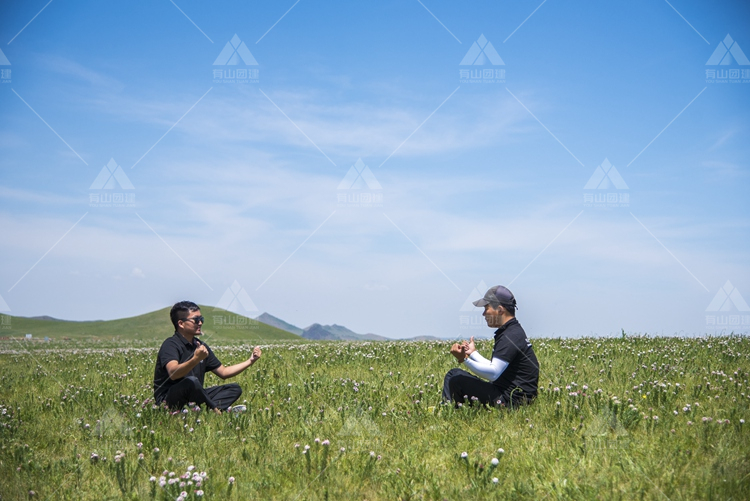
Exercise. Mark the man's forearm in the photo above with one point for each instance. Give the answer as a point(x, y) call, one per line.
point(484, 368)
point(184, 369)
point(235, 369)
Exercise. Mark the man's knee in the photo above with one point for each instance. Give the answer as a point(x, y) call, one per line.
point(455, 387)
point(194, 382)
point(450, 381)
point(233, 388)
point(452, 373)
point(458, 378)
point(226, 389)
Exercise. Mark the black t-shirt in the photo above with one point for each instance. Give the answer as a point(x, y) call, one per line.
point(180, 349)
point(521, 378)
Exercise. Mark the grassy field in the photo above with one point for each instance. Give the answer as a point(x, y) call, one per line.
point(631, 418)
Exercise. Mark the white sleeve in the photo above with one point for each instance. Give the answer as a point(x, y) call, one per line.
point(477, 357)
point(484, 368)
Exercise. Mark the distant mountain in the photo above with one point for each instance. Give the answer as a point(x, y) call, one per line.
point(428, 338)
point(269, 319)
point(338, 333)
point(319, 332)
point(333, 332)
point(48, 318)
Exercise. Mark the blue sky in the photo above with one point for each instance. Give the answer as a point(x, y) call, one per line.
point(479, 181)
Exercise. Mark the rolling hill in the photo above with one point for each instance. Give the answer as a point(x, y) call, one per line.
point(220, 325)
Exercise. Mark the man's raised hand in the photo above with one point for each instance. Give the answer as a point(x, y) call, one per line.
point(201, 352)
point(256, 354)
point(469, 347)
point(457, 350)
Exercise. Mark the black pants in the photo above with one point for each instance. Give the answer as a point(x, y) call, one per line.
point(190, 389)
point(459, 385)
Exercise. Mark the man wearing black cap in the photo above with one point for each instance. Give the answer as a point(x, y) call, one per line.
point(513, 373)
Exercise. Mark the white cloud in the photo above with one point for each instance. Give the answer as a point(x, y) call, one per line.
point(38, 197)
point(65, 66)
point(599, 261)
point(348, 130)
point(725, 168)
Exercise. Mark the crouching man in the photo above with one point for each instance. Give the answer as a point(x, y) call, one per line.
point(183, 361)
point(511, 377)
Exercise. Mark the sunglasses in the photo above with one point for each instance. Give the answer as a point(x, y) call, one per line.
point(196, 320)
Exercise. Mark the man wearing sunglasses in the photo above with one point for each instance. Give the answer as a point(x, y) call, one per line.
point(183, 361)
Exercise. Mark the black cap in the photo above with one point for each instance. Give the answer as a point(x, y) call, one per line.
point(498, 295)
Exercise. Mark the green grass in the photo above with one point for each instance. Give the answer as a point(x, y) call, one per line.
point(60, 406)
point(220, 325)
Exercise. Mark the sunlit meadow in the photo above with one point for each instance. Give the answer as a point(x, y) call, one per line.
point(616, 418)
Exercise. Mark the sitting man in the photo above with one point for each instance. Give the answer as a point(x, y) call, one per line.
point(512, 375)
point(183, 361)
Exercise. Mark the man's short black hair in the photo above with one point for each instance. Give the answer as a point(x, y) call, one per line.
point(510, 308)
point(181, 310)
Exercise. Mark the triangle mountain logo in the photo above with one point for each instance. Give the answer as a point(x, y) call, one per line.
point(726, 297)
point(112, 425)
point(476, 293)
point(726, 51)
point(604, 177)
point(3, 305)
point(359, 426)
point(233, 52)
point(480, 52)
point(110, 176)
point(605, 426)
point(3, 60)
point(234, 297)
point(359, 176)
